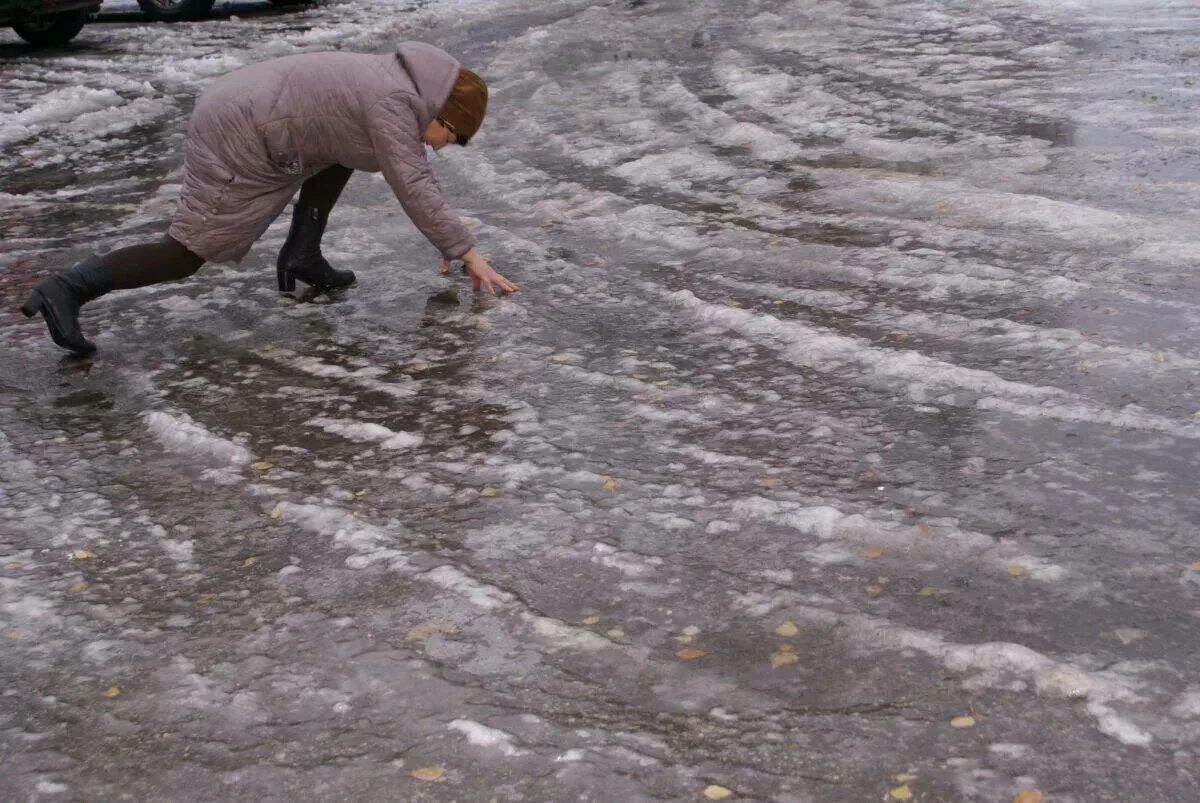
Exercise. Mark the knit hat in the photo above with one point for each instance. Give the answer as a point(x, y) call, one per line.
point(466, 106)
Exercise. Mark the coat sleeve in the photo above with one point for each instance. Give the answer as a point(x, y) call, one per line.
point(396, 138)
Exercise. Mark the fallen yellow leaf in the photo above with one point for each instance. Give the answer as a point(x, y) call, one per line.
point(1028, 796)
point(901, 793)
point(769, 481)
point(250, 561)
point(1015, 571)
point(427, 773)
point(611, 485)
point(591, 620)
point(787, 648)
point(427, 629)
point(359, 494)
point(261, 465)
point(715, 792)
point(872, 552)
point(1196, 566)
point(616, 632)
point(874, 591)
point(1130, 634)
point(962, 722)
point(75, 589)
point(204, 599)
point(779, 659)
point(905, 777)
point(929, 591)
point(82, 554)
point(689, 653)
point(277, 512)
point(110, 692)
point(488, 492)
point(788, 629)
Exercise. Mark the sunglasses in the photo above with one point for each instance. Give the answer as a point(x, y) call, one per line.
point(459, 138)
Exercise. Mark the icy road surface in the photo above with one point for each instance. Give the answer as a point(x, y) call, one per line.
point(840, 444)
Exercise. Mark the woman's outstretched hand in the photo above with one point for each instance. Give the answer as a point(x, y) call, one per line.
point(482, 274)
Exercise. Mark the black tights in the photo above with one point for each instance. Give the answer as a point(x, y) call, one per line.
point(168, 260)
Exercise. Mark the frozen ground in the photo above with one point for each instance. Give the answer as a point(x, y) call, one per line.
point(851, 391)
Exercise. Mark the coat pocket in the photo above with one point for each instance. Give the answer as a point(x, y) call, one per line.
point(282, 151)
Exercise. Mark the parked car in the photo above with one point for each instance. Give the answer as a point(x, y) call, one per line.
point(175, 10)
point(48, 23)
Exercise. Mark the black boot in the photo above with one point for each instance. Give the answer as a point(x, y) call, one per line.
point(59, 298)
point(300, 258)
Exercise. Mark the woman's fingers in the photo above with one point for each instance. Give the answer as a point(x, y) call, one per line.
point(485, 276)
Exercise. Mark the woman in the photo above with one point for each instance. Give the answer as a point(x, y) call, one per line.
point(307, 122)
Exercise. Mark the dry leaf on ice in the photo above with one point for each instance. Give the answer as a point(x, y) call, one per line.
point(715, 792)
point(788, 629)
point(901, 793)
point(872, 552)
point(1128, 635)
point(689, 653)
point(1028, 796)
point(427, 629)
point(962, 722)
point(488, 492)
point(82, 554)
point(779, 659)
point(75, 589)
point(427, 773)
point(261, 465)
point(611, 485)
point(591, 620)
point(110, 692)
point(1015, 571)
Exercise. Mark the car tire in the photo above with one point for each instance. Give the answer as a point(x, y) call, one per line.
point(52, 30)
point(175, 10)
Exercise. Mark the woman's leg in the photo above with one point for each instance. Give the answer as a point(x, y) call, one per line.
point(300, 257)
point(150, 263)
point(59, 297)
point(322, 190)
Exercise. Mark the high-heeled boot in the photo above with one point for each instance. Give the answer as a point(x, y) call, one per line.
point(300, 258)
point(59, 297)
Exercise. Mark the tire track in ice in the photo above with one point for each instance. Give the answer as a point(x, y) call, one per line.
point(919, 376)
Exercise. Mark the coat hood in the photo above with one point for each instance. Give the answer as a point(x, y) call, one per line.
point(433, 72)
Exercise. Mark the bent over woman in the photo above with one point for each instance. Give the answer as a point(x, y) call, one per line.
point(300, 122)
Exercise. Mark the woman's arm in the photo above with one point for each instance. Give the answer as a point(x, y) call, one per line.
point(396, 137)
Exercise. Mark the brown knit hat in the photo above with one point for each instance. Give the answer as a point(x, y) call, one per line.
point(466, 106)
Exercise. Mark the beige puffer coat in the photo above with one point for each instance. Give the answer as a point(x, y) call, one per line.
point(258, 132)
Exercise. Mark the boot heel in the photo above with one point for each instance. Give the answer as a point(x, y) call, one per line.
point(287, 281)
point(32, 306)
